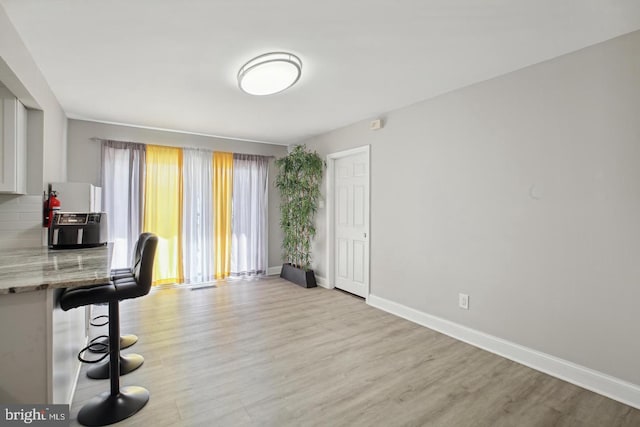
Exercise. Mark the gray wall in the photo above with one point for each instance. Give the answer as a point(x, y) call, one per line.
point(524, 192)
point(84, 159)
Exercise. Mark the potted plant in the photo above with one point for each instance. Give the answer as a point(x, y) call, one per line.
point(298, 179)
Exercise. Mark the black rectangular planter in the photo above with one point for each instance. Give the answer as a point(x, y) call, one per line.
point(304, 278)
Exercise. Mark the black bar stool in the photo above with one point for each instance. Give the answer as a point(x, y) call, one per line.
point(128, 340)
point(128, 362)
point(118, 403)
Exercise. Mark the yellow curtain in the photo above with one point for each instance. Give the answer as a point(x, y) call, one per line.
point(163, 210)
point(222, 193)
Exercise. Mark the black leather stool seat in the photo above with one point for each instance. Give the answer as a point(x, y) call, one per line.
point(87, 295)
point(114, 291)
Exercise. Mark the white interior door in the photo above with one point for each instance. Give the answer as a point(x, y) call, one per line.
point(351, 222)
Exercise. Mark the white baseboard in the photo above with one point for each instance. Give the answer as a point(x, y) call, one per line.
point(598, 382)
point(274, 271)
point(323, 282)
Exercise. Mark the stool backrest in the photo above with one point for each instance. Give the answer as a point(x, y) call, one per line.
point(137, 252)
point(143, 274)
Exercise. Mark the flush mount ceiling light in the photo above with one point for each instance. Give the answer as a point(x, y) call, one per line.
point(269, 73)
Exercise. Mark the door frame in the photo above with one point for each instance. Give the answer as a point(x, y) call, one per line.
point(331, 159)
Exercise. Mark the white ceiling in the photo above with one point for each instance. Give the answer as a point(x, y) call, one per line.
point(172, 64)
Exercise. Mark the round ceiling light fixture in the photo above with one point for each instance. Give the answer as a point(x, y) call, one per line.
point(269, 73)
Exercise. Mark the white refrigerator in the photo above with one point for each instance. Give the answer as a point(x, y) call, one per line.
point(78, 196)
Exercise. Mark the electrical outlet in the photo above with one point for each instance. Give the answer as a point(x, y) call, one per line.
point(463, 301)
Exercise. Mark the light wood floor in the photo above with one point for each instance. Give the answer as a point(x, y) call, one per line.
point(269, 353)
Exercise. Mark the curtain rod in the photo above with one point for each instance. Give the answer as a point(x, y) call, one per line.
point(96, 139)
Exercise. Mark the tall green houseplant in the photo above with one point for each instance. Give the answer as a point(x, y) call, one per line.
point(299, 177)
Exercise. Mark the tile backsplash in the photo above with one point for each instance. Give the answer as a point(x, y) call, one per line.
point(20, 221)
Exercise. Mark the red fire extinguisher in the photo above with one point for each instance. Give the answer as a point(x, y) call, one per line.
point(51, 206)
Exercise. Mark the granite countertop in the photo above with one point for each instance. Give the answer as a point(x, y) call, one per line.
point(33, 269)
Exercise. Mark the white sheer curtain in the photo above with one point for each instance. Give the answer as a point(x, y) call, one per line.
point(123, 171)
point(197, 216)
point(123, 166)
point(249, 215)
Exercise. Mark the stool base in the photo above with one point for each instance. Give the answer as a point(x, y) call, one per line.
point(128, 363)
point(108, 409)
point(126, 341)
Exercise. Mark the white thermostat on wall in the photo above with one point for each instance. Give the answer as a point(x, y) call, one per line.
point(375, 124)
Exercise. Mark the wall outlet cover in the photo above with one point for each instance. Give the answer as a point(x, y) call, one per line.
point(463, 301)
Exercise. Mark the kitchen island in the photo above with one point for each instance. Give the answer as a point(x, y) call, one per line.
point(38, 341)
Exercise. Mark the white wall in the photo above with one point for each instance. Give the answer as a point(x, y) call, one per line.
point(20, 74)
point(24, 369)
point(20, 221)
point(524, 192)
point(46, 121)
point(84, 159)
point(68, 329)
point(35, 151)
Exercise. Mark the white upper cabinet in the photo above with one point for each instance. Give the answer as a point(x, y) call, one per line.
point(13, 145)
